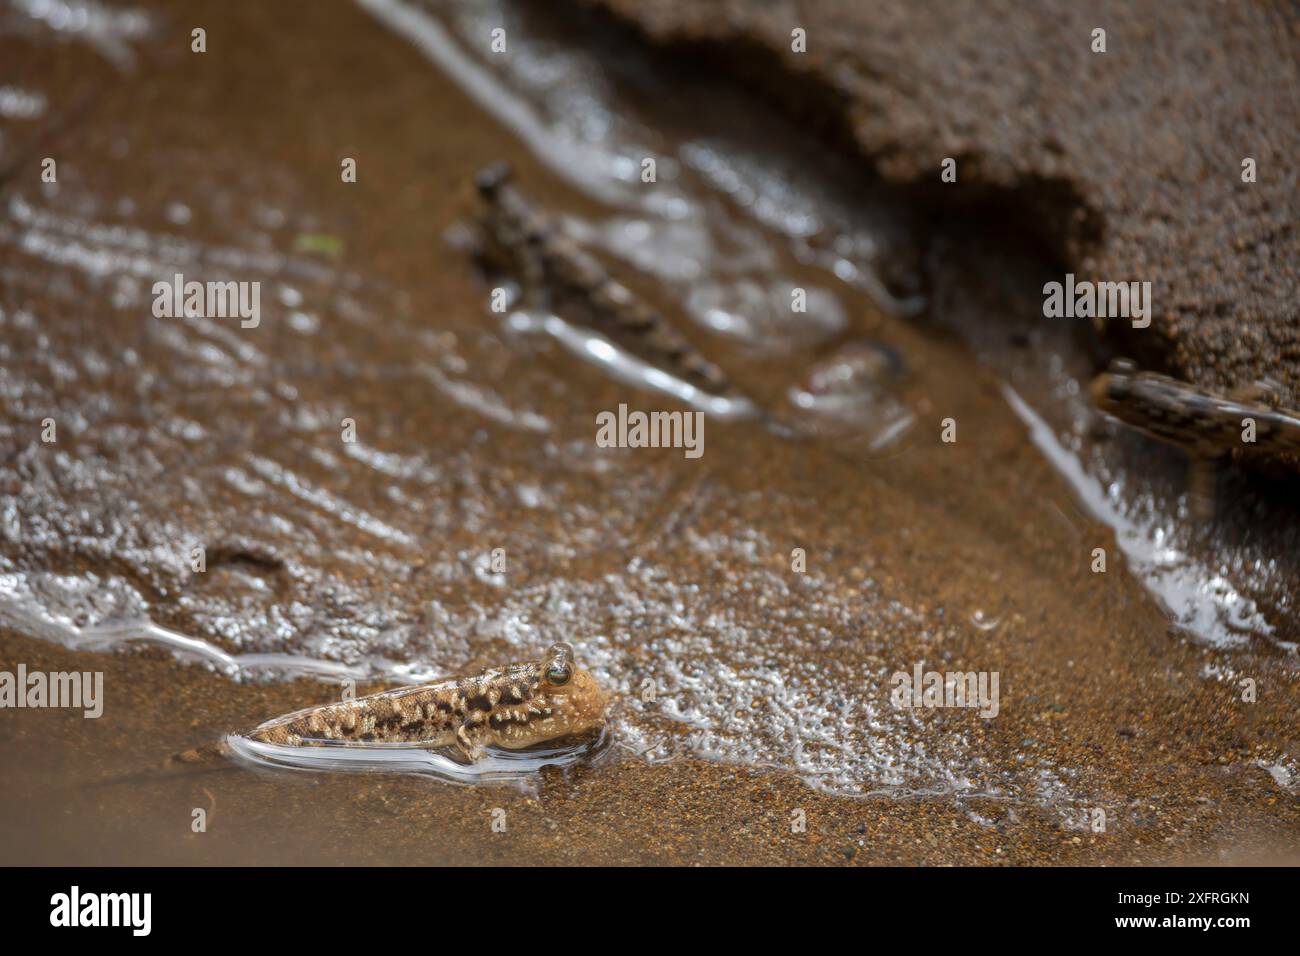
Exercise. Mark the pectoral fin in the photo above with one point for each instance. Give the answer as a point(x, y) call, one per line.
point(466, 745)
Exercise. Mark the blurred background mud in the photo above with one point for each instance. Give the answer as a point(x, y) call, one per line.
point(370, 559)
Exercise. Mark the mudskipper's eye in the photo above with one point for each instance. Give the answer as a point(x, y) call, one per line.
point(559, 674)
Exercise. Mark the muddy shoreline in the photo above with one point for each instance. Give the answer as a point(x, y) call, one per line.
point(622, 812)
point(371, 555)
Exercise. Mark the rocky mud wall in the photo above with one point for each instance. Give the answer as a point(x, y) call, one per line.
point(1129, 163)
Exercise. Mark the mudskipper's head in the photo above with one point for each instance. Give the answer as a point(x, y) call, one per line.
point(1112, 391)
point(574, 701)
point(490, 179)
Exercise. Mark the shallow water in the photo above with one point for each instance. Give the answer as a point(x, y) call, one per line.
point(494, 766)
point(372, 559)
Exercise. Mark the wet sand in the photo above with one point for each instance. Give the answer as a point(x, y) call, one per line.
point(678, 563)
point(1191, 796)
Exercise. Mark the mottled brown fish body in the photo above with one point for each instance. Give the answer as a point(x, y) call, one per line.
point(518, 238)
point(513, 707)
point(421, 714)
point(516, 706)
point(1199, 420)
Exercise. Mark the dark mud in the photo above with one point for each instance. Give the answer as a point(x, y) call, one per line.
point(372, 556)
